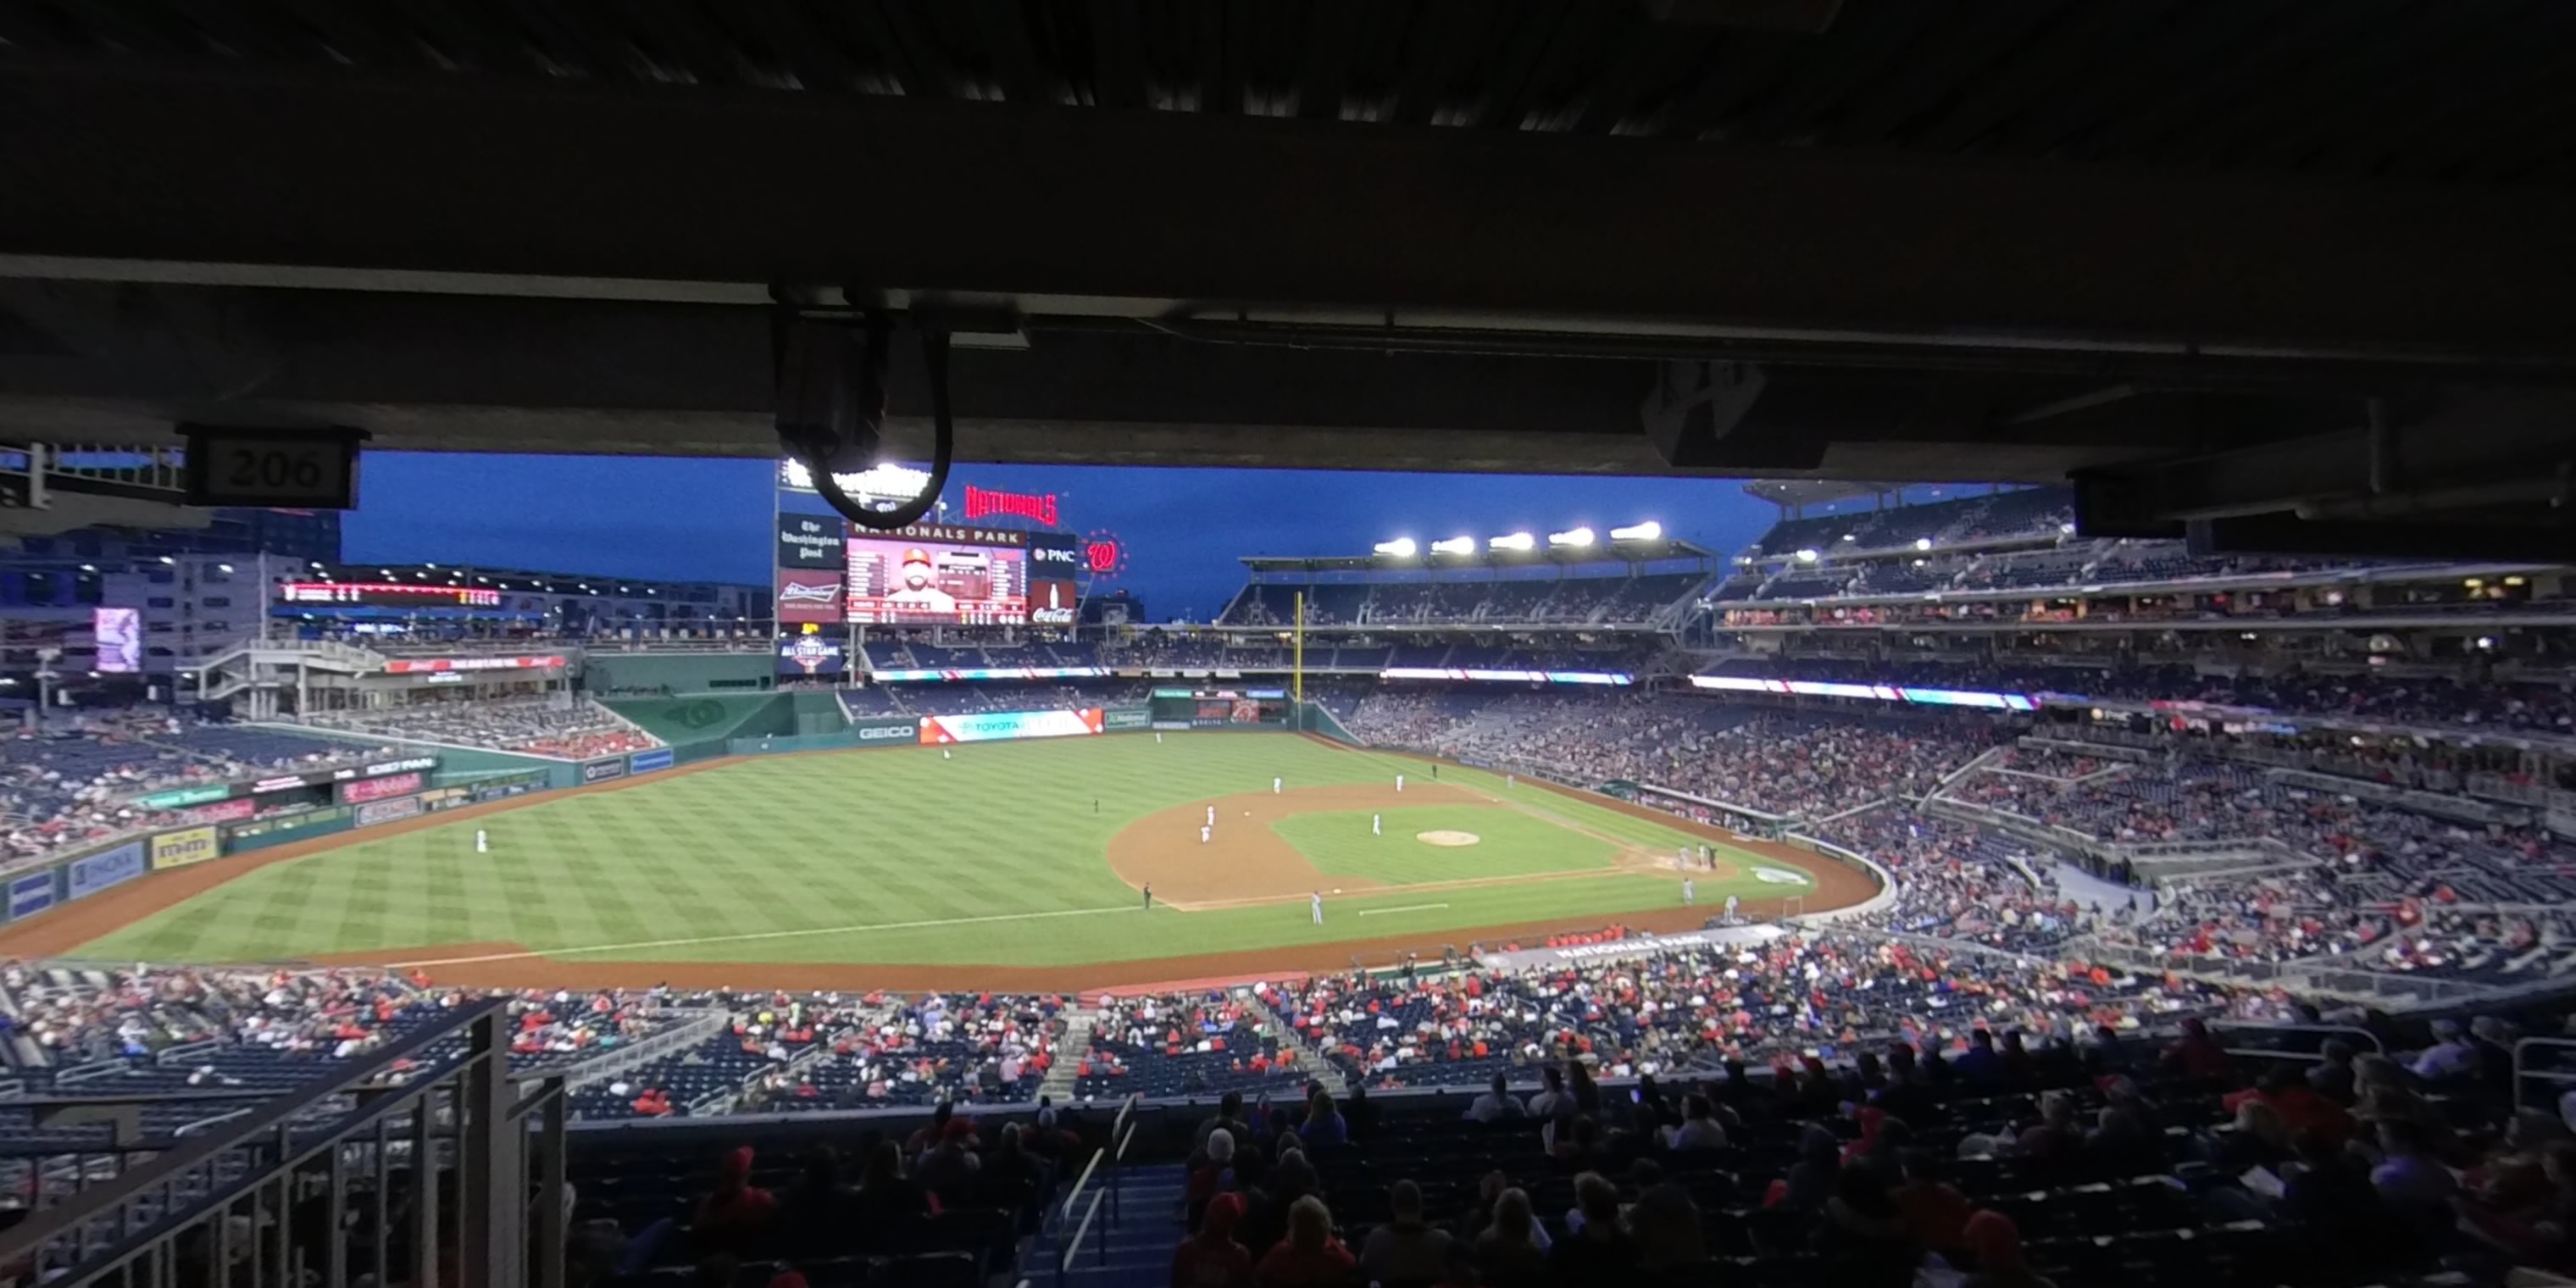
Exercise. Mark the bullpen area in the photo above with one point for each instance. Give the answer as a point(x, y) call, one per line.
point(1004, 865)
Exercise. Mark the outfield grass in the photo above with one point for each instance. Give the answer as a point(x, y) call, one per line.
point(993, 856)
point(1509, 844)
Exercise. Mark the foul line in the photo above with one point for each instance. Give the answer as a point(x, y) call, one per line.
point(761, 934)
point(1411, 907)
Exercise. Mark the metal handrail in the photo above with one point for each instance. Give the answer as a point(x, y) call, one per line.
point(169, 1169)
point(2543, 1075)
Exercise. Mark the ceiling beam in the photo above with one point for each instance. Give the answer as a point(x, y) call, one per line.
point(750, 187)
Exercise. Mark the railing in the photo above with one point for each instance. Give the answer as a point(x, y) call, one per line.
point(1122, 1131)
point(244, 1195)
point(2552, 1083)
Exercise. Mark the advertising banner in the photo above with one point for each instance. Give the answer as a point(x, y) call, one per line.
point(1116, 718)
point(119, 633)
point(183, 847)
point(494, 789)
point(441, 665)
point(645, 762)
point(374, 812)
point(809, 541)
point(270, 831)
point(376, 789)
point(996, 726)
point(600, 771)
point(185, 796)
point(811, 655)
point(809, 595)
point(880, 731)
point(445, 798)
point(31, 894)
point(106, 868)
point(231, 811)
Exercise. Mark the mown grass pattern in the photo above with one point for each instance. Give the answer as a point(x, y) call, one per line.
point(855, 847)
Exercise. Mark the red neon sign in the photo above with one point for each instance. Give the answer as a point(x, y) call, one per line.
point(981, 502)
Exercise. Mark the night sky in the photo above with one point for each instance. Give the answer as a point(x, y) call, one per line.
point(709, 519)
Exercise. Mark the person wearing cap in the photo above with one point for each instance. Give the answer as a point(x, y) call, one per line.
point(917, 589)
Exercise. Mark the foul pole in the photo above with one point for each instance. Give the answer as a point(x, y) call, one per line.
point(1297, 661)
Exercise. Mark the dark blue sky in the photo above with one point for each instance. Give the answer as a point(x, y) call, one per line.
point(709, 519)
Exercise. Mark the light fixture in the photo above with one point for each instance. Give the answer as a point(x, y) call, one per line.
point(2067, 529)
point(223, 567)
point(1851, 536)
point(2486, 642)
point(89, 567)
point(168, 560)
point(1454, 546)
point(1921, 562)
point(1923, 543)
point(1577, 539)
point(1808, 556)
point(1513, 541)
point(1647, 531)
point(429, 565)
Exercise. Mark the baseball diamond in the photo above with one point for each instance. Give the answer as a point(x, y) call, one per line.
point(986, 867)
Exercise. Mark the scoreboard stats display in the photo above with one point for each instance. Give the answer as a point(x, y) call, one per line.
point(937, 574)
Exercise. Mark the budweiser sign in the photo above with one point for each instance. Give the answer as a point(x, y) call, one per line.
point(983, 502)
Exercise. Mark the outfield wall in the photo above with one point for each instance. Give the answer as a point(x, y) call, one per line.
point(678, 673)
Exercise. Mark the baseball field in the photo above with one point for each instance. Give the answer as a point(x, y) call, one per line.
point(1020, 864)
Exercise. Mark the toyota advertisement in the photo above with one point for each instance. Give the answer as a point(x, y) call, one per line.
point(999, 726)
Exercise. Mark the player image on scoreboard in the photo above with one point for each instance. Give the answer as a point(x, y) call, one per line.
point(907, 580)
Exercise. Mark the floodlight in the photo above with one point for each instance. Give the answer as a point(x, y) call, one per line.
point(1851, 536)
point(1578, 537)
point(1454, 546)
point(1923, 543)
point(1807, 556)
point(1513, 541)
point(1647, 531)
point(1400, 548)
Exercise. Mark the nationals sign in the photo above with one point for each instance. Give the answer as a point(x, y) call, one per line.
point(983, 502)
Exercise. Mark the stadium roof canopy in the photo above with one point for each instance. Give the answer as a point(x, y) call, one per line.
point(1620, 552)
point(2235, 257)
point(1797, 492)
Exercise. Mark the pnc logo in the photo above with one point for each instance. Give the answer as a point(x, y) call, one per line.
point(1054, 554)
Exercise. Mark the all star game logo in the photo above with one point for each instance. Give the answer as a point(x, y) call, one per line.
point(812, 654)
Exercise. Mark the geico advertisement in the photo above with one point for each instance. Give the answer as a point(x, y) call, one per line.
point(997, 726)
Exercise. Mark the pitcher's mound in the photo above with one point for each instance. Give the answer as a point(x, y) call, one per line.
point(1444, 836)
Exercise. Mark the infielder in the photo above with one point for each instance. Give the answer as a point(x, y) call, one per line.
point(1690, 892)
point(1399, 782)
point(1211, 816)
point(482, 841)
point(1377, 824)
point(1315, 902)
point(1203, 834)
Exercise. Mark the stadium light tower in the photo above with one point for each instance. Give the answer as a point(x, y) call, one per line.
point(1454, 546)
point(1807, 556)
point(1577, 539)
point(1513, 541)
point(1400, 548)
point(1647, 531)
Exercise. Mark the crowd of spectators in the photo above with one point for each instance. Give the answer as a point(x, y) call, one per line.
point(540, 726)
point(75, 780)
point(1803, 763)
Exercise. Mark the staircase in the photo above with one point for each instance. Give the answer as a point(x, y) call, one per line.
point(1129, 1246)
point(1070, 1051)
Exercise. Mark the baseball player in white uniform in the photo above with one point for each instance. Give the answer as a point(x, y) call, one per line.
point(482, 841)
point(1211, 816)
point(1274, 786)
point(1315, 902)
point(1377, 824)
point(1690, 892)
point(1730, 907)
point(1399, 782)
point(1203, 834)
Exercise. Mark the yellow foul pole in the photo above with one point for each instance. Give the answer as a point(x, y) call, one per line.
point(1297, 663)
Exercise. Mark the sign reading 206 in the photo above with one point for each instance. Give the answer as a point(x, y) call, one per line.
point(272, 466)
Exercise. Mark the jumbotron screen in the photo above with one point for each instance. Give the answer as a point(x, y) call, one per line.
point(913, 578)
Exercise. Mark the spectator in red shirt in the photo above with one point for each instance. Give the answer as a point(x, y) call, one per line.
point(1310, 1254)
point(737, 1209)
point(1211, 1258)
